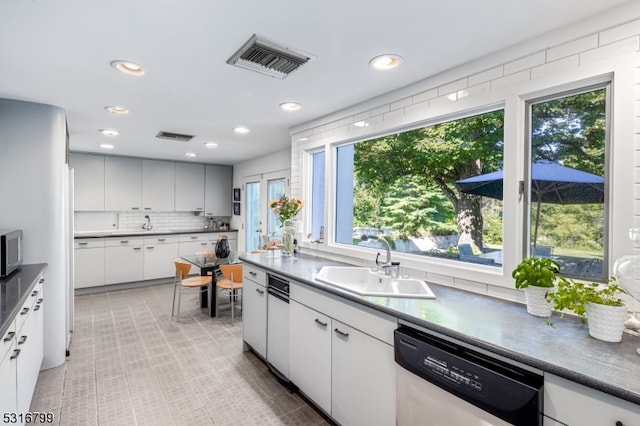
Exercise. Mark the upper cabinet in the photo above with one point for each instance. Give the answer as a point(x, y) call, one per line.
point(217, 186)
point(123, 184)
point(88, 181)
point(189, 195)
point(158, 181)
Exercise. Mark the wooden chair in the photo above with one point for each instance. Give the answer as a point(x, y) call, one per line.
point(231, 283)
point(182, 282)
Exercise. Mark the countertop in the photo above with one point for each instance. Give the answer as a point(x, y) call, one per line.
point(117, 233)
point(14, 290)
point(499, 326)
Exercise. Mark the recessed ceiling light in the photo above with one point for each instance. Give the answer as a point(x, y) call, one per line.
point(211, 145)
point(361, 124)
point(241, 129)
point(128, 67)
point(385, 62)
point(190, 154)
point(458, 95)
point(303, 139)
point(109, 132)
point(106, 146)
point(117, 110)
point(290, 106)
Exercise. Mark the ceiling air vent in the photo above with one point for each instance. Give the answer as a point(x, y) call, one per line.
point(268, 57)
point(178, 137)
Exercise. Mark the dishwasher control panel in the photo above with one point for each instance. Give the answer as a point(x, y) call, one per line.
point(455, 373)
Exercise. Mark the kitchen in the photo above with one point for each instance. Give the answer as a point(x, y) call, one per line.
point(602, 46)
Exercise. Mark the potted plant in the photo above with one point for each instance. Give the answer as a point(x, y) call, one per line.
point(602, 304)
point(536, 275)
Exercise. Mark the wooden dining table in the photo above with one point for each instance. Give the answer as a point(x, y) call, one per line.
point(209, 265)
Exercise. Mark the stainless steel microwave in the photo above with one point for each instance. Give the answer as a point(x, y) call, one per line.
point(11, 251)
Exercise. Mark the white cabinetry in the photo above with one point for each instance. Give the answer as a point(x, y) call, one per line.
point(158, 181)
point(8, 371)
point(159, 254)
point(254, 309)
point(88, 262)
point(189, 195)
point(573, 404)
point(217, 186)
point(123, 260)
point(88, 182)
point(123, 183)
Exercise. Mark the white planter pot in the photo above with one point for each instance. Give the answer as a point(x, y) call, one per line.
point(606, 323)
point(537, 304)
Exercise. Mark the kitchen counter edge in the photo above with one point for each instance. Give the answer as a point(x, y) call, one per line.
point(107, 234)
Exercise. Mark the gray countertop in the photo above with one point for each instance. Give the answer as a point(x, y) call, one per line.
point(14, 290)
point(501, 327)
point(117, 233)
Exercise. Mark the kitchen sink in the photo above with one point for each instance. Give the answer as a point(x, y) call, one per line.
point(366, 282)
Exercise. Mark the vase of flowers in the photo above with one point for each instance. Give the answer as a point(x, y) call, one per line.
point(286, 209)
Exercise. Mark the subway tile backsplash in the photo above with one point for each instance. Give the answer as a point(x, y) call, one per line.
point(133, 221)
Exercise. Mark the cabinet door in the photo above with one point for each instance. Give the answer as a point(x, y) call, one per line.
point(123, 264)
point(122, 184)
point(88, 182)
point(29, 360)
point(158, 182)
point(363, 378)
point(310, 353)
point(88, 266)
point(218, 191)
point(189, 195)
point(9, 381)
point(254, 316)
point(158, 260)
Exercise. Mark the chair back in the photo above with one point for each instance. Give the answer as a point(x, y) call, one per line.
point(233, 272)
point(182, 268)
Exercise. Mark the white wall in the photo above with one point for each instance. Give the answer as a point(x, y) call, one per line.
point(32, 170)
point(606, 47)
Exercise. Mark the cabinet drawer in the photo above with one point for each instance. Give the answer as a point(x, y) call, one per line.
point(187, 238)
point(161, 239)
point(254, 274)
point(124, 241)
point(88, 243)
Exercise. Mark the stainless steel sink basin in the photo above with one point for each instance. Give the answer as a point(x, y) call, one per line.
point(365, 282)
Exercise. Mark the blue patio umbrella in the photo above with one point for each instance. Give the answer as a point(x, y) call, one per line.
point(551, 182)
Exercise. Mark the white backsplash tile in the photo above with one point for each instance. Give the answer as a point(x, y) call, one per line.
point(133, 221)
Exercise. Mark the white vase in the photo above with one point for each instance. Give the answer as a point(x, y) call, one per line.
point(606, 323)
point(537, 304)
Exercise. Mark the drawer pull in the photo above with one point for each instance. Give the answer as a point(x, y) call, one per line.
point(34, 293)
point(24, 311)
point(253, 274)
point(162, 239)
point(83, 244)
point(147, 208)
point(323, 324)
point(124, 242)
point(41, 280)
point(15, 354)
point(194, 238)
point(135, 208)
point(150, 247)
point(9, 336)
point(204, 244)
point(260, 291)
point(137, 248)
point(36, 308)
point(340, 332)
point(22, 340)
point(40, 300)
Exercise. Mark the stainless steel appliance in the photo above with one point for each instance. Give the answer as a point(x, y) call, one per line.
point(278, 326)
point(11, 251)
point(441, 382)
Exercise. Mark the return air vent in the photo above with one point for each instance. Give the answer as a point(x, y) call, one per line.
point(178, 137)
point(268, 57)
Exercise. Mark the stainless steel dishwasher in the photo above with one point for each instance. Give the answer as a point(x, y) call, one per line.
point(278, 326)
point(442, 383)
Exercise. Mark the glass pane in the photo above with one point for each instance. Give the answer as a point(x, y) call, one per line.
point(317, 195)
point(253, 216)
point(275, 189)
point(567, 181)
point(405, 188)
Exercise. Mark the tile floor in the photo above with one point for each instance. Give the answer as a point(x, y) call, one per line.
point(131, 365)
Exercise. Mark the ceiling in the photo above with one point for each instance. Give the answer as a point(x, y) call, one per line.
point(59, 53)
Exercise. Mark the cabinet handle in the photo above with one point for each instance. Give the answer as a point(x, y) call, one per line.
point(147, 208)
point(83, 244)
point(162, 239)
point(9, 336)
point(136, 248)
point(24, 311)
point(149, 247)
point(259, 291)
point(340, 332)
point(22, 340)
point(135, 208)
point(199, 208)
point(34, 293)
point(324, 324)
point(253, 274)
point(40, 300)
point(194, 238)
point(41, 280)
point(124, 241)
point(619, 423)
point(36, 308)
point(15, 354)
point(204, 244)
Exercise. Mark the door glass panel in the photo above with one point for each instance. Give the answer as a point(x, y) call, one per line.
point(275, 189)
point(253, 216)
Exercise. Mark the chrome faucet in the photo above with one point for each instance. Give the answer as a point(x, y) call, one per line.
point(147, 226)
point(389, 267)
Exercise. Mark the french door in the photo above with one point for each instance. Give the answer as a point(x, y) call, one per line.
point(260, 222)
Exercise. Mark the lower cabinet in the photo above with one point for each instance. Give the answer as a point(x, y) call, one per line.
point(567, 402)
point(254, 309)
point(9, 372)
point(159, 255)
point(88, 263)
point(123, 261)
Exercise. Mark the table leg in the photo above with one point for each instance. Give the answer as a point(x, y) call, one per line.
point(208, 296)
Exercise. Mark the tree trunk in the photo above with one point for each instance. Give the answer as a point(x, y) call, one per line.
point(469, 219)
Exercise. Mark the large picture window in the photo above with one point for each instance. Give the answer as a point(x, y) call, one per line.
point(567, 181)
point(404, 188)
